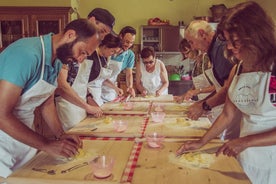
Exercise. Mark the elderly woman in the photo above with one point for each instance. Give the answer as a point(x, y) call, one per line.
point(151, 74)
point(251, 93)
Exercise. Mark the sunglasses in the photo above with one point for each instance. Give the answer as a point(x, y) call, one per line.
point(148, 62)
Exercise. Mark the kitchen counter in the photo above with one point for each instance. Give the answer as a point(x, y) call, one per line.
point(179, 87)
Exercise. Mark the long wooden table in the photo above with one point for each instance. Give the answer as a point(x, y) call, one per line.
point(136, 163)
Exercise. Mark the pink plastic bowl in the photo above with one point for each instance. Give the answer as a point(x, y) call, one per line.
point(102, 166)
point(154, 140)
point(120, 126)
point(158, 117)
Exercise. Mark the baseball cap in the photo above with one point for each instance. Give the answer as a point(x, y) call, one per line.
point(103, 16)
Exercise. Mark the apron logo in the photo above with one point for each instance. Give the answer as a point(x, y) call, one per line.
point(272, 90)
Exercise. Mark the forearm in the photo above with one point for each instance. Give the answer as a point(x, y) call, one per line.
point(218, 98)
point(139, 87)
point(69, 94)
point(19, 131)
point(110, 84)
point(129, 78)
point(49, 114)
point(267, 138)
point(164, 86)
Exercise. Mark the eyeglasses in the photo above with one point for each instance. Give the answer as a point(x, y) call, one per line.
point(148, 62)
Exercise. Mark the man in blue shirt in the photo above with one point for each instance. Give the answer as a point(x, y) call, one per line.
point(28, 74)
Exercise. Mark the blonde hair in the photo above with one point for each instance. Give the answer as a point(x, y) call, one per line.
point(196, 25)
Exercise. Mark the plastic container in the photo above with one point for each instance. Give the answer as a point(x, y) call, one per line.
point(174, 77)
point(154, 140)
point(102, 166)
point(120, 126)
point(158, 116)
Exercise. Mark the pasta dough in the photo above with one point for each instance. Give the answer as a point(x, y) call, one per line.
point(193, 159)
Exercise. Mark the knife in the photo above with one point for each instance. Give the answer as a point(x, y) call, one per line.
point(127, 98)
point(74, 167)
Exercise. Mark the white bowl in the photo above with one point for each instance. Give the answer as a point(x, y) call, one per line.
point(158, 117)
point(154, 140)
point(119, 125)
point(102, 166)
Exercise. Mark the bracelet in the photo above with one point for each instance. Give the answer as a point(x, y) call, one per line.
point(206, 106)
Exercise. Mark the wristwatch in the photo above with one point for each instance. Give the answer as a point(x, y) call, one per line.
point(206, 107)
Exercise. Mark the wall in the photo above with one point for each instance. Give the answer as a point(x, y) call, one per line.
point(62, 3)
point(137, 12)
point(269, 6)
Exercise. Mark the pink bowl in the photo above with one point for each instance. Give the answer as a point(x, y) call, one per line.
point(154, 140)
point(119, 125)
point(102, 166)
point(158, 117)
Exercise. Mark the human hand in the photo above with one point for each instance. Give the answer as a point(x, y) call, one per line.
point(144, 93)
point(195, 111)
point(189, 145)
point(96, 111)
point(188, 95)
point(179, 99)
point(66, 146)
point(158, 93)
point(233, 147)
point(120, 92)
point(131, 91)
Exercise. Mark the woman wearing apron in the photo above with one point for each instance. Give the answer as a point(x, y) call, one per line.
point(108, 93)
point(100, 72)
point(202, 86)
point(151, 75)
point(251, 93)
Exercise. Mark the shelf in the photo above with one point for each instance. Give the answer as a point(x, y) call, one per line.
point(151, 41)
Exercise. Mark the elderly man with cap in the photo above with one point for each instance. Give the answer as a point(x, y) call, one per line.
point(71, 102)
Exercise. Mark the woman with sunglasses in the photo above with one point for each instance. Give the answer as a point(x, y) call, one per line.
point(151, 74)
point(252, 93)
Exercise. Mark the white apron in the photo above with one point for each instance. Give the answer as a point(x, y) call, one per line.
point(109, 94)
point(152, 81)
point(249, 92)
point(68, 113)
point(95, 86)
point(233, 131)
point(14, 154)
point(201, 80)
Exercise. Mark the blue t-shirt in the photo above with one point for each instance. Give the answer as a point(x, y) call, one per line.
point(22, 60)
point(127, 57)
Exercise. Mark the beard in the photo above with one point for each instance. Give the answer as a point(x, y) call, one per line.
point(65, 53)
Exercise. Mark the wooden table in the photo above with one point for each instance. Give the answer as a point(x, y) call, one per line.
point(179, 126)
point(160, 166)
point(136, 163)
point(103, 127)
point(120, 150)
